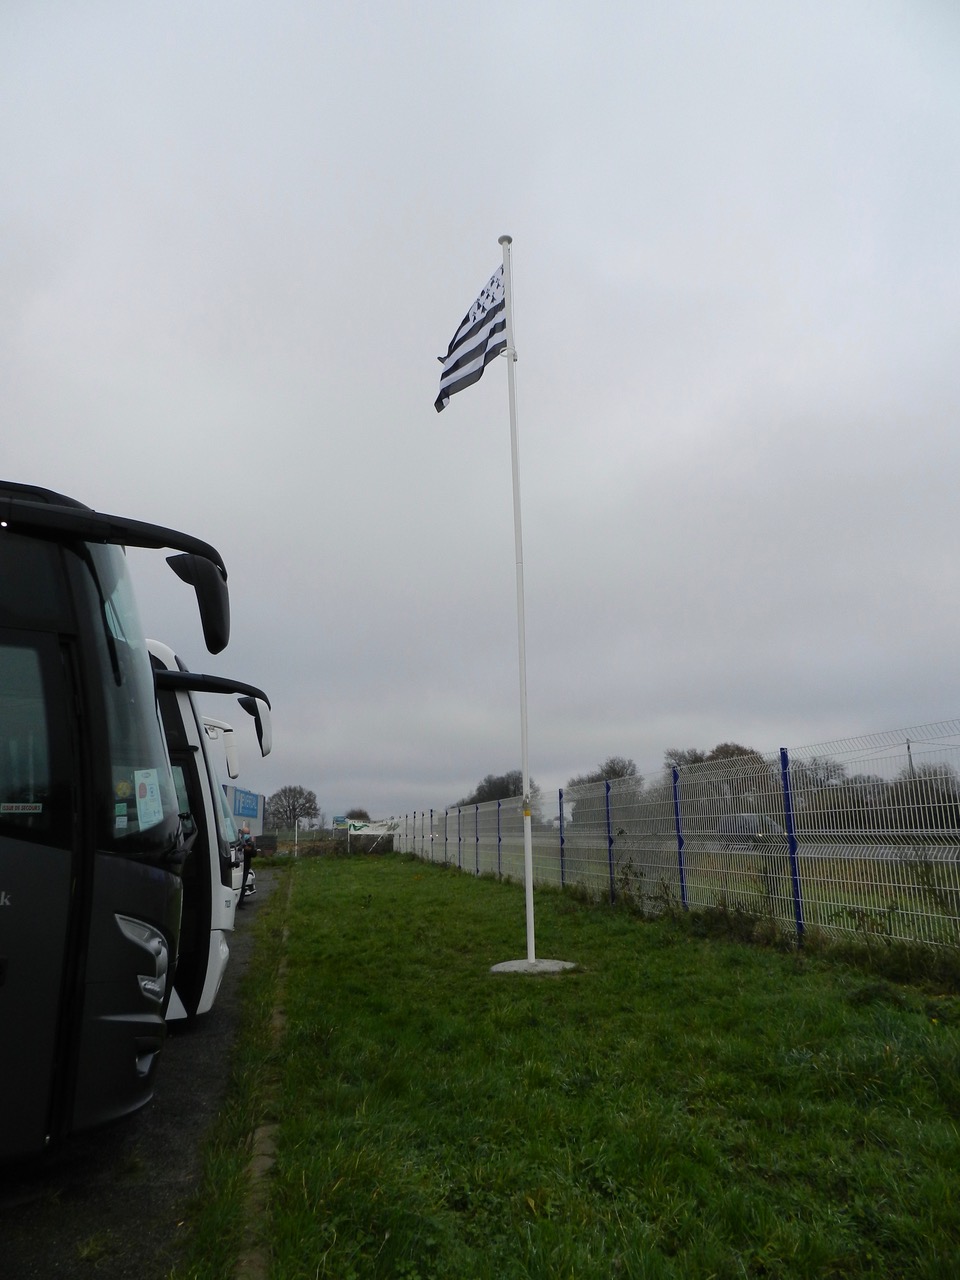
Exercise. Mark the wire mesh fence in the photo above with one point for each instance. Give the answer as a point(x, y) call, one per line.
point(856, 837)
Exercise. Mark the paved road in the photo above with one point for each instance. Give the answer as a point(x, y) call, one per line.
point(112, 1204)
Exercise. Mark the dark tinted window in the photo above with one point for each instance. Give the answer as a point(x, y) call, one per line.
point(32, 592)
point(35, 796)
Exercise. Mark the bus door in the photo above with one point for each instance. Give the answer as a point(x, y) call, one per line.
point(39, 925)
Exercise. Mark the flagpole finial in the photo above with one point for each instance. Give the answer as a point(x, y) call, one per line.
point(505, 240)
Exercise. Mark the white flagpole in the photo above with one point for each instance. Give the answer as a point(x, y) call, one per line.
point(531, 964)
point(511, 354)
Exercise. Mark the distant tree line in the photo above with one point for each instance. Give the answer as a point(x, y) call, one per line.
point(922, 798)
point(501, 786)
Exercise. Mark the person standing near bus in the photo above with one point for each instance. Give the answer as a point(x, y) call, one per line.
point(249, 849)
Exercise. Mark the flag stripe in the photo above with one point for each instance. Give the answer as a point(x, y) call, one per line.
point(468, 379)
point(480, 337)
point(480, 349)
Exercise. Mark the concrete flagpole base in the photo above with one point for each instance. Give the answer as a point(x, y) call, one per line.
point(533, 966)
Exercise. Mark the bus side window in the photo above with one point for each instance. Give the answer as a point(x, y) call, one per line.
point(25, 784)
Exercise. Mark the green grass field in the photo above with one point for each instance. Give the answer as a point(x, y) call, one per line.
point(678, 1106)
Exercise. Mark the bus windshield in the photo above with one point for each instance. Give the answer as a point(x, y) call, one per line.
point(228, 828)
point(143, 796)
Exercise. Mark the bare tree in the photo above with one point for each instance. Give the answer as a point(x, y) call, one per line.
point(287, 806)
point(612, 767)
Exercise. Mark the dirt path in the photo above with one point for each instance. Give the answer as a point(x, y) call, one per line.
point(112, 1204)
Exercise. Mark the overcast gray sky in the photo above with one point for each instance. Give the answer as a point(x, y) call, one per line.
point(236, 236)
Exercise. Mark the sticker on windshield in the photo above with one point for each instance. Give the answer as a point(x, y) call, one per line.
point(146, 785)
point(20, 806)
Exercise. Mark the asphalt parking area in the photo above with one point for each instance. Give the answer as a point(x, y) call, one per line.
point(113, 1204)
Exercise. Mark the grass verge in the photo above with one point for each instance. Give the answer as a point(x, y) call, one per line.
point(678, 1107)
point(217, 1217)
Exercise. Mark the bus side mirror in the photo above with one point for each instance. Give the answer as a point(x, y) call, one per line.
point(219, 730)
point(257, 708)
point(232, 756)
point(213, 598)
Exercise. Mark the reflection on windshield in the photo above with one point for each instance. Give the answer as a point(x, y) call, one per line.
point(114, 619)
point(144, 796)
point(228, 828)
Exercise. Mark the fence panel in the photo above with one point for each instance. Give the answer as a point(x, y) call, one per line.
point(586, 846)
point(736, 853)
point(860, 837)
point(878, 825)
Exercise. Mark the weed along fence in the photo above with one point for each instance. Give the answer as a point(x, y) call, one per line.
point(855, 837)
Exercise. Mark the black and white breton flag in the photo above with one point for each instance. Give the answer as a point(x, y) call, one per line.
point(480, 337)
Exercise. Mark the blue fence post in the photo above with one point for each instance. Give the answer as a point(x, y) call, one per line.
point(678, 820)
point(613, 886)
point(476, 827)
point(431, 835)
point(446, 815)
point(792, 843)
point(459, 839)
point(499, 844)
point(563, 840)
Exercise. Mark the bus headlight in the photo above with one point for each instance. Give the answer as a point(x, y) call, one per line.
point(151, 940)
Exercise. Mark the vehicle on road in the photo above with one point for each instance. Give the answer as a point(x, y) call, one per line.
point(748, 831)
